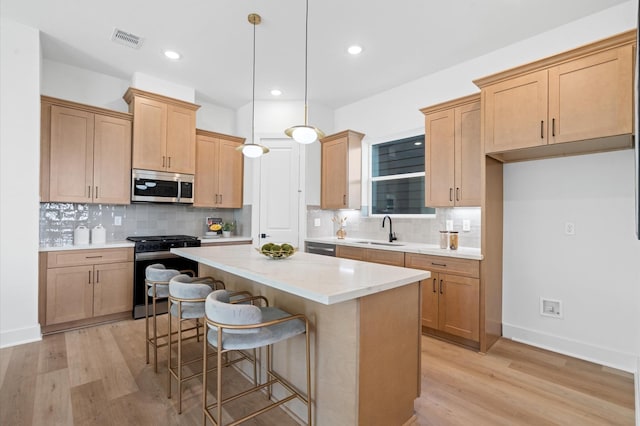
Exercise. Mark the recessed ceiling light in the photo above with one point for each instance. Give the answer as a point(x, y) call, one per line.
point(172, 54)
point(355, 49)
point(276, 92)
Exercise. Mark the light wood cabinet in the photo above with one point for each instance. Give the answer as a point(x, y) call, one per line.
point(386, 257)
point(219, 171)
point(341, 180)
point(81, 287)
point(85, 154)
point(164, 132)
point(582, 95)
point(451, 297)
point(453, 153)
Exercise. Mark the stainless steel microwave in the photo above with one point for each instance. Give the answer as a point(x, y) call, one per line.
point(161, 187)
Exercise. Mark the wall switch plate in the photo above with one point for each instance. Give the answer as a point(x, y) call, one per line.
point(570, 228)
point(316, 221)
point(466, 225)
point(117, 220)
point(449, 225)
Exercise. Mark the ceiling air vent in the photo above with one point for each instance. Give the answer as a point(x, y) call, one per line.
point(127, 39)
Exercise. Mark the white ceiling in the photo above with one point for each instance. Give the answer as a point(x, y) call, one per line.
point(402, 40)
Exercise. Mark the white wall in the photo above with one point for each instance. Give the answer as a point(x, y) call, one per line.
point(589, 314)
point(19, 177)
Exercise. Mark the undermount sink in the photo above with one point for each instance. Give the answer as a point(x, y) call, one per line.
point(379, 243)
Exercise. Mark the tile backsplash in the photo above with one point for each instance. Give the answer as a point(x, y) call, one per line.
point(416, 230)
point(58, 220)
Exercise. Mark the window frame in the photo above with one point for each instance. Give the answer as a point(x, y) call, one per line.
point(371, 179)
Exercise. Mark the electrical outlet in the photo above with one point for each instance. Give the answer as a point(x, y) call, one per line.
point(449, 225)
point(316, 221)
point(117, 220)
point(466, 225)
point(551, 308)
point(569, 228)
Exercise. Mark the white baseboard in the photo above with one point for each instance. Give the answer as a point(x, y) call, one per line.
point(20, 336)
point(586, 351)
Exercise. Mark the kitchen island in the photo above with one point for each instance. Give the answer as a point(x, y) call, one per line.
point(365, 329)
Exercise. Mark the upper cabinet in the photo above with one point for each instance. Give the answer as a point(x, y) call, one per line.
point(164, 132)
point(85, 153)
point(453, 153)
point(341, 170)
point(219, 170)
point(586, 94)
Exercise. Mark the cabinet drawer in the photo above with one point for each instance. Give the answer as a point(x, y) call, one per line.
point(387, 257)
point(451, 265)
point(57, 259)
point(347, 252)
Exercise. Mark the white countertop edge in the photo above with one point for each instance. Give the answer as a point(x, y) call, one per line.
point(299, 291)
point(407, 247)
point(218, 240)
point(108, 245)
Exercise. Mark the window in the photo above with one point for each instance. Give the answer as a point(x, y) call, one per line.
point(397, 177)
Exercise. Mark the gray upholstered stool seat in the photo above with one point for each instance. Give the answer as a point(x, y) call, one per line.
point(240, 327)
point(186, 302)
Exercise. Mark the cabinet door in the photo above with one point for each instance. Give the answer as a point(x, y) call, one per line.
point(459, 306)
point(112, 160)
point(69, 294)
point(386, 257)
point(430, 290)
point(206, 178)
point(149, 134)
point(230, 174)
point(592, 97)
point(468, 155)
point(355, 253)
point(181, 140)
point(515, 113)
point(439, 158)
point(71, 164)
point(334, 173)
point(113, 288)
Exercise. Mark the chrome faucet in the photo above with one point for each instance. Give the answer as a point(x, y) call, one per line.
point(392, 235)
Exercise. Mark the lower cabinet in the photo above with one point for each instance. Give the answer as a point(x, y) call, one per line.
point(85, 286)
point(451, 297)
point(386, 257)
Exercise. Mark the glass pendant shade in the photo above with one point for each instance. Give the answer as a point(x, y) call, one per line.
point(304, 134)
point(252, 150)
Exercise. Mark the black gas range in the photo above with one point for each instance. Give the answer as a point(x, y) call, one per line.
point(155, 249)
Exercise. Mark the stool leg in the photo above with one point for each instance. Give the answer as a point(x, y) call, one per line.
point(205, 365)
point(155, 332)
point(219, 377)
point(146, 322)
point(169, 344)
point(309, 421)
point(179, 358)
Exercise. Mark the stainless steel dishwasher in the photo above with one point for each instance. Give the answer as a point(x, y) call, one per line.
point(320, 248)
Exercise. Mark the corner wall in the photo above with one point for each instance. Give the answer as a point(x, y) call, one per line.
point(19, 179)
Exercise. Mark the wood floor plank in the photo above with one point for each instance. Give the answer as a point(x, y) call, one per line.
point(53, 353)
point(52, 405)
point(90, 404)
point(17, 391)
point(5, 356)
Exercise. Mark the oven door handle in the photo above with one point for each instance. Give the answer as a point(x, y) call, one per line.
point(155, 255)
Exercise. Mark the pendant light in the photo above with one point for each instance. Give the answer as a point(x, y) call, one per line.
point(305, 134)
point(251, 149)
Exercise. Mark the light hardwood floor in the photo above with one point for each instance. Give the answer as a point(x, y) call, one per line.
point(98, 376)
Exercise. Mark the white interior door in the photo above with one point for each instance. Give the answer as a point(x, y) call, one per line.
point(280, 194)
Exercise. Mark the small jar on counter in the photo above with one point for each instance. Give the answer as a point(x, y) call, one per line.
point(444, 239)
point(453, 240)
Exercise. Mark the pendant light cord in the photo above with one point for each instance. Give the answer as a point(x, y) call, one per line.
point(253, 89)
point(306, 59)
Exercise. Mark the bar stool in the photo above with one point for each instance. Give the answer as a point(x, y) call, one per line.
point(157, 284)
point(242, 327)
point(186, 302)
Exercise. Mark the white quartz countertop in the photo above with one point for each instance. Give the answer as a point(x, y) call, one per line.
point(322, 279)
point(407, 247)
point(108, 245)
point(221, 240)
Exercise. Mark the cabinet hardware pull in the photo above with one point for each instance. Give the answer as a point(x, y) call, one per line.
point(457, 194)
point(441, 292)
point(553, 127)
point(89, 282)
point(92, 257)
point(163, 161)
point(96, 192)
point(220, 198)
point(541, 129)
point(434, 285)
point(89, 191)
point(344, 199)
point(169, 162)
point(444, 265)
point(450, 194)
